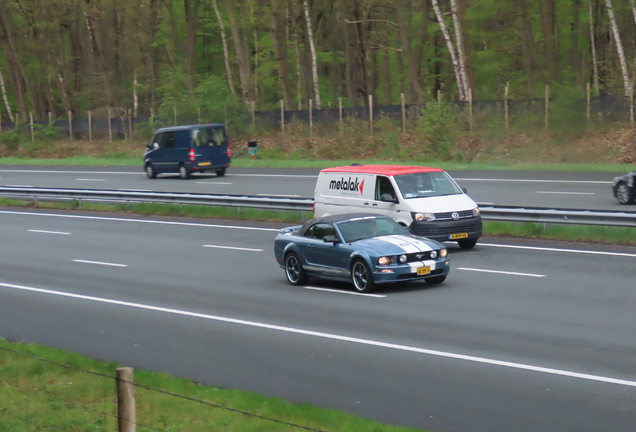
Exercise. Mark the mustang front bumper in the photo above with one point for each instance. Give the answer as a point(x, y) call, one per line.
point(409, 272)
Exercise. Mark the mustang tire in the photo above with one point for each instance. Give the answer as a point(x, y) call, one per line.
point(435, 280)
point(362, 277)
point(624, 194)
point(294, 270)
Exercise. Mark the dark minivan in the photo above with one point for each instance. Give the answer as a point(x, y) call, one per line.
point(188, 149)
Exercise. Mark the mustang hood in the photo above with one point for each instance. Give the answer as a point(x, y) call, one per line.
point(397, 244)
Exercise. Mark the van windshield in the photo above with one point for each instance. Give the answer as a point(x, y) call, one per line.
point(426, 184)
point(209, 137)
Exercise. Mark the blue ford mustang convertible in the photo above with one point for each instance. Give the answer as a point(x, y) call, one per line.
point(366, 249)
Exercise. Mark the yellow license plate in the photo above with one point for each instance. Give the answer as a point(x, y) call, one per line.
point(423, 270)
point(204, 163)
point(457, 236)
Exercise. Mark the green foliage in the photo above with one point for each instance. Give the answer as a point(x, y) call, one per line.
point(438, 124)
point(12, 139)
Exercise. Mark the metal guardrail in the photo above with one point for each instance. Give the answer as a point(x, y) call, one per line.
point(499, 213)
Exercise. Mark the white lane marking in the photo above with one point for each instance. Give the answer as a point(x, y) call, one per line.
point(48, 232)
point(24, 186)
point(629, 255)
point(536, 181)
point(274, 175)
point(331, 336)
point(232, 247)
point(71, 172)
point(211, 182)
point(565, 193)
point(501, 272)
point(344, 292)
point(90, 179)
point(279, 195)
point(100, 263)
point(135, 190)
point(141, 221)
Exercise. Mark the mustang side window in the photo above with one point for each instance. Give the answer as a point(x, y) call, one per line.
point(319, 231)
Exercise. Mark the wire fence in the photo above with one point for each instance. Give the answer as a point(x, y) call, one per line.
point(43, 394)
point(605, 107)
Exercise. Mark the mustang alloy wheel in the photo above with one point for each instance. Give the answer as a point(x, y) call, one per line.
point(624, 194)
point(294, 270)
point(361, 277)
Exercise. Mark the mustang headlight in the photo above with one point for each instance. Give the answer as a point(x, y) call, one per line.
point(385, 260)
point(476, 211)
point(443, 253)
point(423, 217)
point(433, 254)
point(402, 258)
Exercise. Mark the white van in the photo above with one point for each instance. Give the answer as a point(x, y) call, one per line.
point(426, 200)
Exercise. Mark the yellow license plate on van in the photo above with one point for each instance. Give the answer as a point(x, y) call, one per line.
point(423, 271)
point(457, 236)
point(204, 163)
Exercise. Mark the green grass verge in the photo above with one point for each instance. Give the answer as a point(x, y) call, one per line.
point(318, 164)
point(44, 389)
point(578, 233)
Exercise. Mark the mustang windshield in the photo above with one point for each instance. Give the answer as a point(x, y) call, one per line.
point(367, 227)
point(426, 184)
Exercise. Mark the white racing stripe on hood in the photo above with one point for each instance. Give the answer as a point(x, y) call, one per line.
point(409, 245)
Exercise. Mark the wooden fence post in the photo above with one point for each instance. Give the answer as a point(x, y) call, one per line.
point(470, 109)
point(506, 91)
point(370, 114)
point(90, 125)
point(403, 112)
point(340, 114)
point(126, 416)
point(110, 127)
point(311, 117)
point(253, 116)
point(31, 123)
point(175, 114)
point(588, 101)
point(70, 124)
point(130, 128)
point(547, 100)
point(17, 120)
point(282, 116)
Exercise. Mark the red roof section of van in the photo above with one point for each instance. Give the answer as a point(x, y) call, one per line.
point(388, 170)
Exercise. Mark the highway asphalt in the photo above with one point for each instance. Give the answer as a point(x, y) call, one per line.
point(575, 190)
point(523, 335)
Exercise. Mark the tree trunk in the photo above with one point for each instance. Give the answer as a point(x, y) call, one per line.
point(449, 44)
point(245, 72)
point(575, 59)
point(529, 50)
point(191, 8)
point(593, 46)
point(17, 76)
point(279, 40)
point(471, 81)
point(226, 55)
point(413, 61)
point(619, 48)
point(549, 45)
point(461, 59)
point(314, 61)
point(92, 14)
point(4, 97)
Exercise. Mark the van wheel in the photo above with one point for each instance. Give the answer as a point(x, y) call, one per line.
point(183, 172)
point(150, 171)
point(467, 243)
point(361, 277)
point(220, 173)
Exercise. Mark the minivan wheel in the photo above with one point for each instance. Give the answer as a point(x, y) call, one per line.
point(467, 243)
point(294, 270)
point(220, 173)
point(361, 277)
point(183, 172)
point(150, 171)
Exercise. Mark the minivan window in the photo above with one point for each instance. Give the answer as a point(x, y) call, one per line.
point(426, 184)
point(209, 137)
point(168, 140)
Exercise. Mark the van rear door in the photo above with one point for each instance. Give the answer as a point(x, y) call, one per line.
point(211, 146)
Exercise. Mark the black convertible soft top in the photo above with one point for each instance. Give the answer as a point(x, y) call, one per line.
point(335, 218)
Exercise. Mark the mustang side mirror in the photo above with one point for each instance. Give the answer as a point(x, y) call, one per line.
point(388, 198)
point(331, 239)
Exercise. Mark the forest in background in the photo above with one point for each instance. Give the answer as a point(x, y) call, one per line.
point(226, 57)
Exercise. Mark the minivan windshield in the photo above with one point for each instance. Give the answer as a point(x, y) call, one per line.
point(426, 184)
point(209, 137)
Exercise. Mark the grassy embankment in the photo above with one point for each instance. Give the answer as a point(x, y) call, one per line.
point(44, 389)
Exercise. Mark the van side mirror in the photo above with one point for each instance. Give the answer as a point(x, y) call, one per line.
point(331, 239)
point(388, 198)
point(465, 190)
